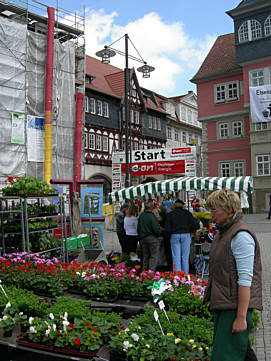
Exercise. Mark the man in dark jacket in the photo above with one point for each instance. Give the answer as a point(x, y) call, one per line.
point(149, 230)
point(179, 224)
point(120, 224)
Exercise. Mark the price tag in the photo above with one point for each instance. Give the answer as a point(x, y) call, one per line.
point(188, 277)
point(156, 317)
point(161, 305)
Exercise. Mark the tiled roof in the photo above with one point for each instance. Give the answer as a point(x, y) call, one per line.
point(220, 60)
point(247, 2)
point(109, 80)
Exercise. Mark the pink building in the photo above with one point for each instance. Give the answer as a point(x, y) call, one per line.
point(233, 145)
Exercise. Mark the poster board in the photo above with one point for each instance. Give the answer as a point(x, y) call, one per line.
point(96, 229)
point(92, 202)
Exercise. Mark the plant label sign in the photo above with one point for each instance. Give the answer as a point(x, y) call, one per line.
point(156, 317)
point(162, 307)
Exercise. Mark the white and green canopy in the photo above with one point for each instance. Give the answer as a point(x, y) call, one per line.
point(157, 188)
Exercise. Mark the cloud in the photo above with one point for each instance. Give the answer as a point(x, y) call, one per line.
point(165, 46)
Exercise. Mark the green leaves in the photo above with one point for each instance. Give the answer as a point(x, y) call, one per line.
point(28, 186)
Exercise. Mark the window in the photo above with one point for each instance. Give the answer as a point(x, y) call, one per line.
point(237, 129)
point(154, 123)
point(91, 139)
point(261, 126)
point(184, 137)
point(260, 77)
point(99, 108)
point(190, 138)
point(158, 124)
point(183, 113)
point(250, 30)
point(176, 135)
point(105, 143)
point(136, 116)
point(226, 92)
point(92, 105)
point(257, 78)
point(86, 140)
point(267, 26)
point(150, 122)
point(225, 169)
point(239, 169)
point(223, 130)
point(169, 132)
point(105, 110)
point(263, 164)
point(86, 104)
point(189, 115)
point(98, 142)
point(135, 145)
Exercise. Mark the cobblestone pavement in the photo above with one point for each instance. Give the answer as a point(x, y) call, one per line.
point(262, 228)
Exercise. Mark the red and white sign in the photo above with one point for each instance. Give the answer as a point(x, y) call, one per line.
point(158, 161)
point(167, 167)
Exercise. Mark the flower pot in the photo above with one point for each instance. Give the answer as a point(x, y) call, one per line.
point(76, 352)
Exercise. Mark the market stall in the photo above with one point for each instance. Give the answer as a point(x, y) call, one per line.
point(163, 187)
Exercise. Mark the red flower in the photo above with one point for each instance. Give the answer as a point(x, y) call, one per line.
point(87, 323)
point(71, 325)
point(122, 328)
point(58, 332)
point(137, 267)
point(77, 342)
point(94, 330)
point(172, 358)
point(11, 179)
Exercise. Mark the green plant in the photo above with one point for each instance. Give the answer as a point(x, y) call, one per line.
point(185, 303)
point(255, 319)
point(27, 186)
point(76, 309)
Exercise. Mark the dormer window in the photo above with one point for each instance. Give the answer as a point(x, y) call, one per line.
point(267, 26)
point(250, 30)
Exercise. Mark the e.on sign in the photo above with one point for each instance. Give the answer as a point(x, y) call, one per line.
point(156, 161)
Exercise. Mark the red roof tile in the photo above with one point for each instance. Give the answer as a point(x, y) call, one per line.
point(220, 60)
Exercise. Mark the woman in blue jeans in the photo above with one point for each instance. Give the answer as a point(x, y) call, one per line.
point(179, 224)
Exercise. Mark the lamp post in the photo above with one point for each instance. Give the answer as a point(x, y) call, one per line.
point(106, 54)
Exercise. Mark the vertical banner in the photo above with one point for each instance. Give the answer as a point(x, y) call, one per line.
point(17, 129)
point(260, 103)
point(35, 139)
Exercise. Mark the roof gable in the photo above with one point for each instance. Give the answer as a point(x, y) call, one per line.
point(220, 60)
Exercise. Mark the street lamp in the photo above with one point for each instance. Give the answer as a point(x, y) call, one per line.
point(106, 54)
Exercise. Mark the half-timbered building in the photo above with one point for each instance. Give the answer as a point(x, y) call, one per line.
point(105, 118)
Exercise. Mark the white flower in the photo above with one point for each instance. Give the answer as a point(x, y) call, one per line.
point(8, 305)
point(83, 274)
point(47, 332)
point(5, 318)
point(54, 327)
point(135, 337)
point(126, 345)
point(65, 316)
point(65, 324)
point(148, 346)
point(21, 313)
point(31, 319)
point(126, 330)
point(51, 316)
point(32, 329)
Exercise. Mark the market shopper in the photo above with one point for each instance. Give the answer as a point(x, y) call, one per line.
point(149, 231)
point(179, 224)
point(130, 227)
point(234, 287)
point(120, 224)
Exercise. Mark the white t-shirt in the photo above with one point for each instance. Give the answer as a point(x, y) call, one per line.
point(130, 226)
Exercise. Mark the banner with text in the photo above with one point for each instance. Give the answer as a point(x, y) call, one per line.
point(158, 161)
point(260, 103)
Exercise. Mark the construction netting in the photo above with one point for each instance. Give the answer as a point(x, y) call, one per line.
point(22, 102)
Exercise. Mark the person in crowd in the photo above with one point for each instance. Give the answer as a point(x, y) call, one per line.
point(163, 213)
point(149, 231)
point(235, 286)
point(130, 227)
point(167, 203)
point(179, 224)
point(269, 213)
point(120, 224)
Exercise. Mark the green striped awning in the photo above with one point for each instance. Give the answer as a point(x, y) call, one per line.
point(236, 184)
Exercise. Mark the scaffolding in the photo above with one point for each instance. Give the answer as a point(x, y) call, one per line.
point(22, 60)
